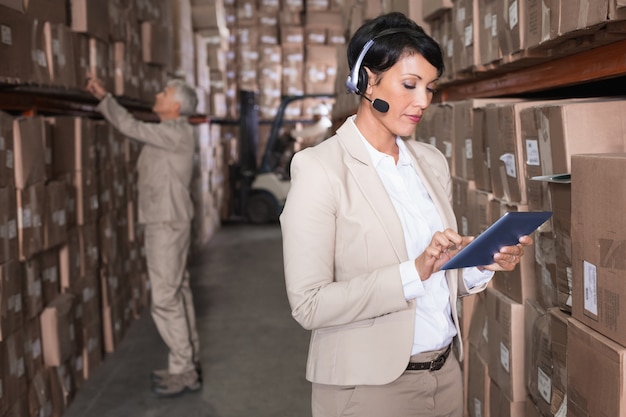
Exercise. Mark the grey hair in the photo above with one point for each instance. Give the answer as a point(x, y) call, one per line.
point(185, 95)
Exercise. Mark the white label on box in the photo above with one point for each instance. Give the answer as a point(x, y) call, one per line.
point(469, 153)
point(12, 229)
point(450, 48)
point(568, 271)
point(448, 149)
point(25, 215)
point(468, 38)
point(461, 15)
point(509, 164)
point(6, 35)
point(36, 348)
point(513, 15)
point(21, 367)
point(478, 407)
point(487, 21)
point(494, 25)
point(432, 140)
point(464, 226)
point(544, 385)
point(504, 357)
point(532, 152)
point(590, 288)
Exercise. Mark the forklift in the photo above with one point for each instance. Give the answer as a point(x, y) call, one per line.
point(259, 192)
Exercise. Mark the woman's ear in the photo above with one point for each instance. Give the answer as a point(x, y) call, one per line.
point(372, 80)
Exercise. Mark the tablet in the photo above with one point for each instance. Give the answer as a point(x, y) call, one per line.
point(506, 231)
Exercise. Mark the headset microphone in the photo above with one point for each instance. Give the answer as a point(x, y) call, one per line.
point(380, 105)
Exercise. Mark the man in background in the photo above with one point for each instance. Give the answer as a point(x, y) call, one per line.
point(166, 210)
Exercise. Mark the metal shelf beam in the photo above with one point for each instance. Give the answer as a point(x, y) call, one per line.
point(595, 64)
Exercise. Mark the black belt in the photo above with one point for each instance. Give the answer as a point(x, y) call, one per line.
point(434, 365)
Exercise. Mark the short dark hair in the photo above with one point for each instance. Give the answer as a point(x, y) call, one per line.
point(388, 49)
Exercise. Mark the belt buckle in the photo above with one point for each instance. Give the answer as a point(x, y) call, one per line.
point(437, 364)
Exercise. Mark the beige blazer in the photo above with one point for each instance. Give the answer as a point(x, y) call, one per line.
point(342, 244)
point(165, 164)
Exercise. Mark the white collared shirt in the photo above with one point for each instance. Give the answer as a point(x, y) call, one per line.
point(420, 219)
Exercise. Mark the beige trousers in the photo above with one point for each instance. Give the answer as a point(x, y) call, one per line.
point(167, 247)
point(413, 394)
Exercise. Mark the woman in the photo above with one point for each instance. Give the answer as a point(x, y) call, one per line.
point(367, 225)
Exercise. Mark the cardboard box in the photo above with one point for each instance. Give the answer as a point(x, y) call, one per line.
point(596, 389)
point(598, 247)
point(33, 358)
point(53, 11)
point(11, 313)
point(8, 225)
point(553, 132)
point(502, 406)
point(465, 34)
point(13, 368)
point(50, 274)
point(462, 206)
point(511, 26)
point(74, 144)
point(55, 215)
point(30, 213)
point(70, 260)
point(506, 346)
point(542, 23)
point(59, 51)
point(480, 216)
point(39, 396)
point(16, 37)
point(6, 150)
point(30, 152)
point(487, 25)
point(92, 347)
point(558, 349)
point(40, 70)
point(478, 385)
point(57, 330)
point(561, 199)
point(18, 5)
point(32, 299)
point(584, 16)
point(320, 69)
point(156, 40)
point(506, 150)
point(432, 9)
point(538, 356)
point(91, 17)
point(545, 267)
point(441, 30)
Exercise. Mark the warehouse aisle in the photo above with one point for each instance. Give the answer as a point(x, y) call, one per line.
point(253, 353)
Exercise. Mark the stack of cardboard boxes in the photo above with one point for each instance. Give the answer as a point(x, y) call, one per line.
point(529, 333)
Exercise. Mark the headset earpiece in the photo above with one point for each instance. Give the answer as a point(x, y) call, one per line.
point(357, 80)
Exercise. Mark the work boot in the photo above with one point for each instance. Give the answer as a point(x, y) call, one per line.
point(174, 385)
point(159, 374)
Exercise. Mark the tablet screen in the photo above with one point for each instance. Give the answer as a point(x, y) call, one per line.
point(506, 231)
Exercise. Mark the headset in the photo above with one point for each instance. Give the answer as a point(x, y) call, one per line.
point(358, 76)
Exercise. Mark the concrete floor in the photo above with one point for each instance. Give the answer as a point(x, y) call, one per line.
point(253, 353)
